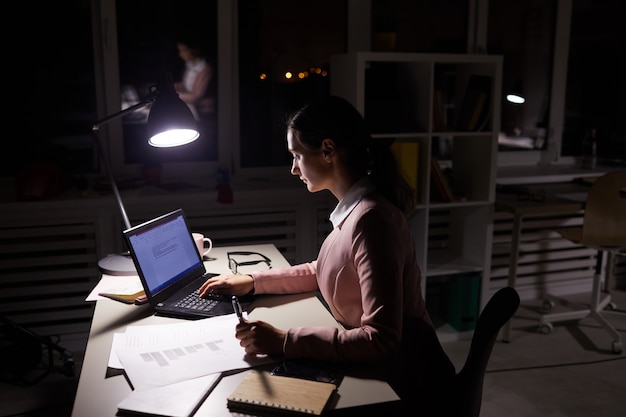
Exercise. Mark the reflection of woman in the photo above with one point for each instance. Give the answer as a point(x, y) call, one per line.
point(193, 89)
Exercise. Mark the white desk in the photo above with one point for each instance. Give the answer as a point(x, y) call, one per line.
point(552, 202)
point(100, 389)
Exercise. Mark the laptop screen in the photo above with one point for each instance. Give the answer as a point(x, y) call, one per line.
point(164, 250)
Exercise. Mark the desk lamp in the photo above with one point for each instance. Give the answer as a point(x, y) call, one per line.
point(170, 123)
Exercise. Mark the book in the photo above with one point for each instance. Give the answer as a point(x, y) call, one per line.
point(407, 155)
point(132, 298)
point(440, 189)
point(262, 393)
point(439, 123)
point(474, 109)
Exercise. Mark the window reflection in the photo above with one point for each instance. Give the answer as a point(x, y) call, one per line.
point(175, 37)
point(522, 31)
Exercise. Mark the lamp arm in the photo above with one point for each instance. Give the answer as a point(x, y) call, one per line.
point(109, 171)
point(103, 156)
point(143, 103)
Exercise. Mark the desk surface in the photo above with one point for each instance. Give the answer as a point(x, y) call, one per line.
point(539, 199)
point(100, 389)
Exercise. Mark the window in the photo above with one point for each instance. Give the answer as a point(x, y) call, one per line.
point(51, 80)
point(425, 26)
point(596, 81)
point(73, 73)
point(523, 31)
point(284, 51)
point(150, 34)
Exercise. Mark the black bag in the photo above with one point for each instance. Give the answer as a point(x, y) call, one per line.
point(21, 355)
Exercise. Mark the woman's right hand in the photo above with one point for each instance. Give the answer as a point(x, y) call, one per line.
point(227, 284)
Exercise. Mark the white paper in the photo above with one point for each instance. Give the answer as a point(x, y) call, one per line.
point(158, 355)
point(175, 400)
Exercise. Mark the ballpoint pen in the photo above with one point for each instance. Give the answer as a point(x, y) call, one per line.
point(237, 308)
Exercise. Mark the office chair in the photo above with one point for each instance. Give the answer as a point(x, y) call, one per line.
point(603, 229)
point(469, 381)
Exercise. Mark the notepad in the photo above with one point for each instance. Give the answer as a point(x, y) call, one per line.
point(124, 298)
point(261, 393)
point(181, 399)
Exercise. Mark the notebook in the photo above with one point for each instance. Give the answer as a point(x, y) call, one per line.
point(171, 269)
point(261, 393)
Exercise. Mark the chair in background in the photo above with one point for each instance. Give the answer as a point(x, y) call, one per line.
point(603, 229)
point(469, 381)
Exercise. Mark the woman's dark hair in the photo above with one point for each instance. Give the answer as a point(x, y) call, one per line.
point(335, 118)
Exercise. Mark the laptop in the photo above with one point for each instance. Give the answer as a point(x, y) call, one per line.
point(171, 269)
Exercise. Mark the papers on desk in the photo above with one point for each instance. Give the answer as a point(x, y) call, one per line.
point(163, 354)
point(175, 400)
point(173, 367)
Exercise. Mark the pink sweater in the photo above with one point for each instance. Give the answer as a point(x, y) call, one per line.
point(368, 274)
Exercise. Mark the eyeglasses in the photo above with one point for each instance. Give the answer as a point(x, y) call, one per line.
point(234, 264)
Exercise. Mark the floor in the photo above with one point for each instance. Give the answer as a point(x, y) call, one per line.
point(569, 372)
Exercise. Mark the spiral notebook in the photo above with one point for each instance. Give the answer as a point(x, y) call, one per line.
point(264, 394)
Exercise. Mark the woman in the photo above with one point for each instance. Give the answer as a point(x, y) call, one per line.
point(366, 269)
point(193, 89)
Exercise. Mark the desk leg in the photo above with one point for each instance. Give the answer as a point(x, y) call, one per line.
point(517, 231)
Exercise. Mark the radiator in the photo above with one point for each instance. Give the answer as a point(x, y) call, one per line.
point(46, 273)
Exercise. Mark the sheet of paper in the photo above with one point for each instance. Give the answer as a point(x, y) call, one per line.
point(158, 355)
point(174, 400)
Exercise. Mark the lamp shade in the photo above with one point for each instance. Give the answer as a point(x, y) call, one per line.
point(170, 122)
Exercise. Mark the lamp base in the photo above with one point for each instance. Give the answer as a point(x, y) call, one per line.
point(117, 264)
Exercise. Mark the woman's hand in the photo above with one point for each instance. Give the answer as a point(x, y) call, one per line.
point(227, 284)
point(259, 337)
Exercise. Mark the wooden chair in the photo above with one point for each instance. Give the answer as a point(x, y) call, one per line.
point(469, 381)
point(603, 229)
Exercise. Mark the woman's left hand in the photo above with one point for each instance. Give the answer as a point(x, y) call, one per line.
point(259, 337)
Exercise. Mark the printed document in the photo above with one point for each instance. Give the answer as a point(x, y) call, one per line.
point(158, 355)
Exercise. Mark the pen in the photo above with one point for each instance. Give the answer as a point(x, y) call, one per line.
point(237, 308)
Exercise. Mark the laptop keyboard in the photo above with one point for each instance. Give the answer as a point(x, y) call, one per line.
point(194, 302)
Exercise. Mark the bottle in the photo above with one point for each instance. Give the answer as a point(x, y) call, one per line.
point(589, 150)
point(224, 192)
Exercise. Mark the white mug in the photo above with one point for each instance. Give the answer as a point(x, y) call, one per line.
point(200, 244)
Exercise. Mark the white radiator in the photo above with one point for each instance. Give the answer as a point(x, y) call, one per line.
point(46, 272)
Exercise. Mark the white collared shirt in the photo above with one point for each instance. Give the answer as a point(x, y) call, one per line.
point(350, 200)
point(192, 68)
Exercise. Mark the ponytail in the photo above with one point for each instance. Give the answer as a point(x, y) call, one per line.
point(386, 175)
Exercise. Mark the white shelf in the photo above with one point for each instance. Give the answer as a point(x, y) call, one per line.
point(397, 94)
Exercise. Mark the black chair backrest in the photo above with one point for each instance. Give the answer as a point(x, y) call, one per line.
point(469, 384)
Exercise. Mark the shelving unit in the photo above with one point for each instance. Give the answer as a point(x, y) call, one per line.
point(447, 107)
